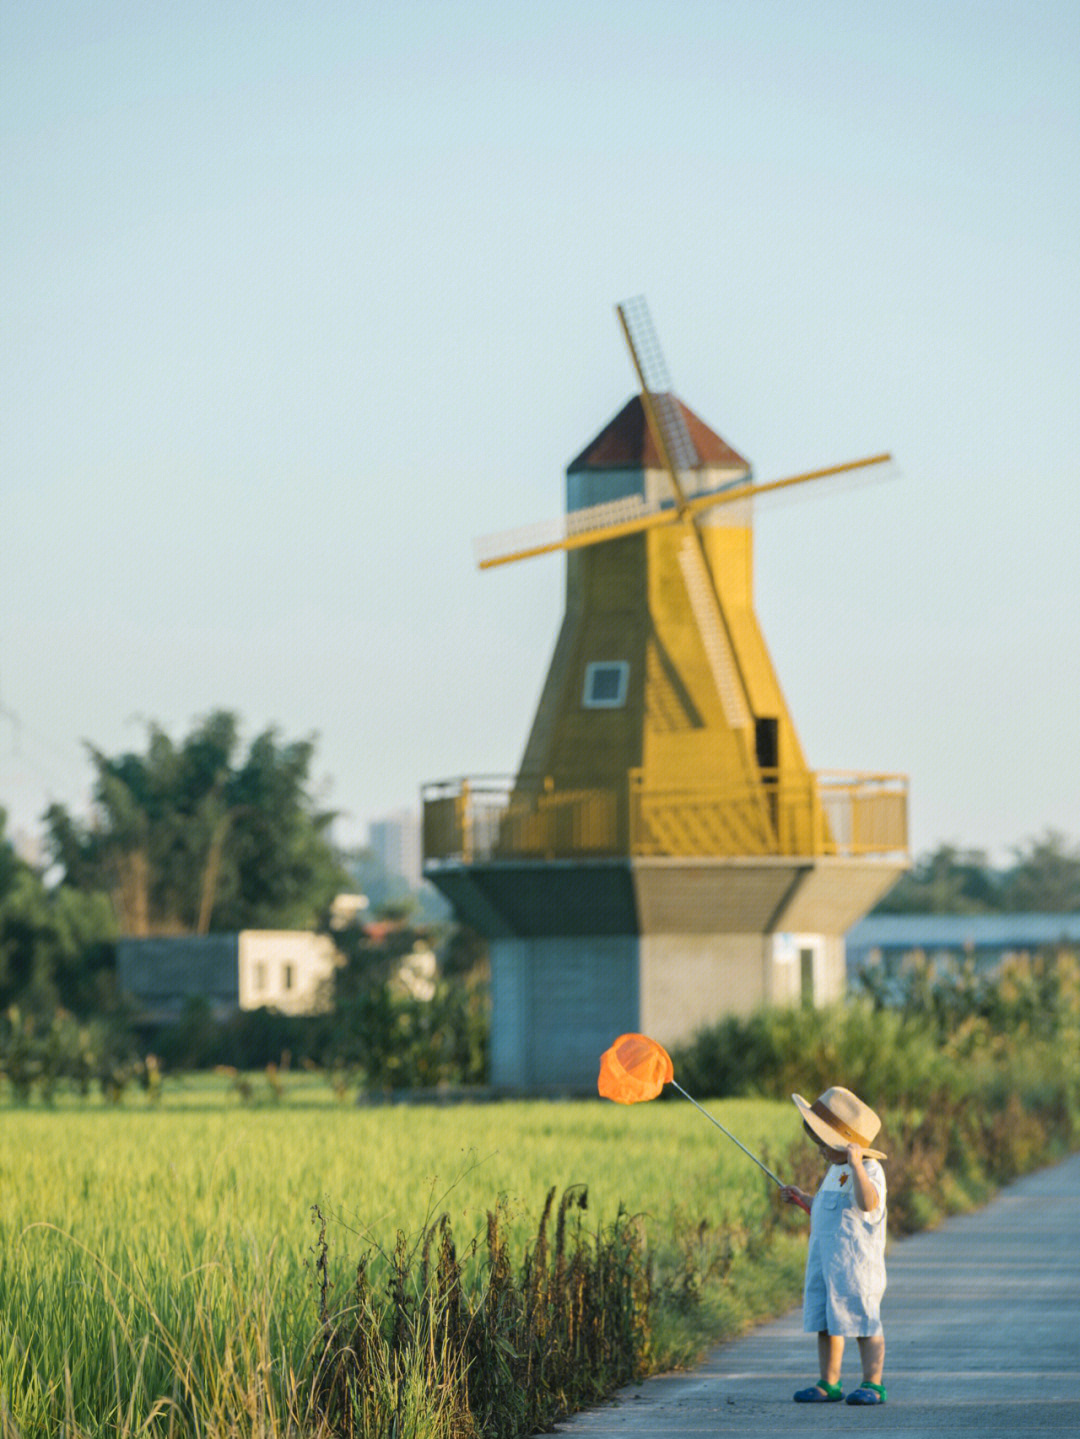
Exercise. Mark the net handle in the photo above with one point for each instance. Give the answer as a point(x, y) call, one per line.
point(712, 1120)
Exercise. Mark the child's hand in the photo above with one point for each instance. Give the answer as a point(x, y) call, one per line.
point(866, 1193)
point(792, 1194)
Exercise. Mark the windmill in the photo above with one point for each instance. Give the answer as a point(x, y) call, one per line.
point(664, 854)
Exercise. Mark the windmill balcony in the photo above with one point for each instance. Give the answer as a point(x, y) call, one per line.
point(491, 818)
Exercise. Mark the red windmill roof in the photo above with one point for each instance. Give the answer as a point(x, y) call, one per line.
point(626, 443)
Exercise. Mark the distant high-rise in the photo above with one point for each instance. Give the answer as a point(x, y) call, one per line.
point(396, 841)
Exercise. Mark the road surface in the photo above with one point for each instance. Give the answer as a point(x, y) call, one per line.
point(982, 1328)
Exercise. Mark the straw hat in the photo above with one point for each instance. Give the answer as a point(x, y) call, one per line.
point(840, 1118)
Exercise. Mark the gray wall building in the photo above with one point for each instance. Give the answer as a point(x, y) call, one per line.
point(887, 940)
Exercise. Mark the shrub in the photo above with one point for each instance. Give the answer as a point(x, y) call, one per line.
point(976, 1076)
point(40, 1055)
point(777, 1052)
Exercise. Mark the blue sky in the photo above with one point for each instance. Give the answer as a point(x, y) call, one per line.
point(299, 299)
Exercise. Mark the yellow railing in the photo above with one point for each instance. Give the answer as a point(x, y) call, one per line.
point(474, 820)
point(864, 814)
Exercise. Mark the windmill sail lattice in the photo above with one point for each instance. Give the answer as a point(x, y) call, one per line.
point(674, 439)
point(616, 519)
point(632, 514)
point(718, 650)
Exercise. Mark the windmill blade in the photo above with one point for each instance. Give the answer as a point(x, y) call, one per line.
point(574, 530)
point(664, 417)
point(644, 343)
point(630, 515)
point(706, 610)
point(680, 454)
point(757, 488)
point(634, 513)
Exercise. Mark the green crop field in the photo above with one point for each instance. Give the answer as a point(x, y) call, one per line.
point(156, 1262)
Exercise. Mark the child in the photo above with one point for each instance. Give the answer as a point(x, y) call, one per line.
point(845, 1263)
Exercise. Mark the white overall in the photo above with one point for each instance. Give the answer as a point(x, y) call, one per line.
point(845, 1263)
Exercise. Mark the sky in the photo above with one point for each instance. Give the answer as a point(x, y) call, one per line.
point(297, 300)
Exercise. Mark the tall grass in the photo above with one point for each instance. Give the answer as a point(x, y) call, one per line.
point(504, 1354)
point(160, 1273)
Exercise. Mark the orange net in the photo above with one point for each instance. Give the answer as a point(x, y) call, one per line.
point(634, 1068)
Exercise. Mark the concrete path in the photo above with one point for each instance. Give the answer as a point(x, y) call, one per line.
point(982, 1327)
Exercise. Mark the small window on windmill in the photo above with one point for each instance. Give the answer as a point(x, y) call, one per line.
point(605, 685)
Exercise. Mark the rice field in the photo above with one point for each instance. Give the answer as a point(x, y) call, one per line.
point(157, 1269)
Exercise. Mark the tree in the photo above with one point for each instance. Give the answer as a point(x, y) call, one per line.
point(198, 836)
point(1045, 877)
point(946, 881)
point(55, 946)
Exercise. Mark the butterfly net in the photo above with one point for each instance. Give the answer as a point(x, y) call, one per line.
point(633, 1069)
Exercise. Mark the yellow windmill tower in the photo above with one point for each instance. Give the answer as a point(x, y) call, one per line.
point(664, 855)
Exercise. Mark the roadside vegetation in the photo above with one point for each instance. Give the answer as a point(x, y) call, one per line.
point(976, 1075)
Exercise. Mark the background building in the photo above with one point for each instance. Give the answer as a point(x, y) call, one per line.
point(888, 942)
point(288, 970)
point(396, 841)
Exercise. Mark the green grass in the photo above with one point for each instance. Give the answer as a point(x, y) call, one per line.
point(159, 1260)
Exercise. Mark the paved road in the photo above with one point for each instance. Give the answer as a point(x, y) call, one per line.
point(982, 1326)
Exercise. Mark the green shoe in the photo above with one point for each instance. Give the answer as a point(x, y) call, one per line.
point(820, 1393)
point(868, 1393)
